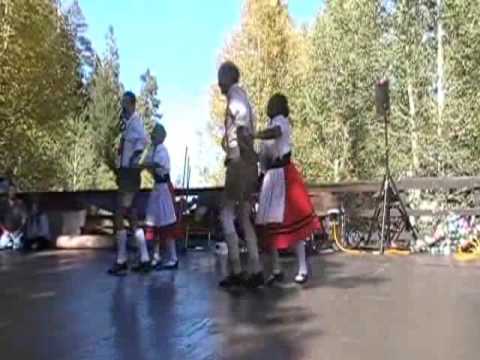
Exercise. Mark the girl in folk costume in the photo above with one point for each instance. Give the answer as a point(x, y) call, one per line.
point(160, 216)
point(285, 214)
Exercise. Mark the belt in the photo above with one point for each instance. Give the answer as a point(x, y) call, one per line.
point(280, 162)
point(161, 179)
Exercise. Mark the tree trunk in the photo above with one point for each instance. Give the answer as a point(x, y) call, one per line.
point(336, 176)
point(415, 165)
point(440, 87)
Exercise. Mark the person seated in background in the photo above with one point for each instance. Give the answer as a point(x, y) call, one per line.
point(3, 185)
point(37, 230)
point(12, 219)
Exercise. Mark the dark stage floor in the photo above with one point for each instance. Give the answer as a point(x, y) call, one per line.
point(62, 305)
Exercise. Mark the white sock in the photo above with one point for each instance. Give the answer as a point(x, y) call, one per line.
point(301, 257)
point(234, 253)
point(156, 252)
point(142, 244)
point(251, 239)
point(172, 249)
point(252, 246)
point(221, 252)
point(276, 269)
point(122, 246)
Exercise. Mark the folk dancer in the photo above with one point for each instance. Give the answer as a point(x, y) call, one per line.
point(161, 218)
point(240, 178)
point(134, 140)
point(285, 215)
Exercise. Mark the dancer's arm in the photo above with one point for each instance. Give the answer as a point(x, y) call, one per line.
point(270, 133)
point(152, 166)
point(224, 143)
point(135, 159)
point(139, 140)
point(160, 161)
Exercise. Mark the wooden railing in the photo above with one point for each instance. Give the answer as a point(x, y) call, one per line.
point(324, 196)
point(333, 195)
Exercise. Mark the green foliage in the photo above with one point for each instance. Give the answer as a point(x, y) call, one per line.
point(60, 101)
point(76, 155)
point(337, 104)
point(412, 58)
point(148, 103)
point(39, 87)
point(104, 106)
point(428, 49)
point(262, 50)
point(461, 21)
point(77, 26)
point(148, 106)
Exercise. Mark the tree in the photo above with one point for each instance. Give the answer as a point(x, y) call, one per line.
point(411, 54)
point(337, 101)
point(263, 49)
point(104, 111)
point(148, 106)
point(83, 46)
point(78, 154)
point(39, 86)
point(148, 103)
point(461, 35)
point(38, 58)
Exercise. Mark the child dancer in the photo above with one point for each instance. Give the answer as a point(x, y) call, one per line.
point(160, 219)
point(285, 213)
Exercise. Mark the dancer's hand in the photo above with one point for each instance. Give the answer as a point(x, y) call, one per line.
point(260, 181)
point(135, 159)
point(224, 143)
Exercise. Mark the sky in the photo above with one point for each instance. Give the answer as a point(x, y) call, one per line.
point(180, 42)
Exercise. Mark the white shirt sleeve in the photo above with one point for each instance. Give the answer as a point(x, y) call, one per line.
point(283, 144)
point(135, 140)
point(239, 111)
point(137, 136)
point(161, 158)
point(282, 123)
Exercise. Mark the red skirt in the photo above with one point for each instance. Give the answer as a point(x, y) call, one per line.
point(299, 218)
point(171, 231)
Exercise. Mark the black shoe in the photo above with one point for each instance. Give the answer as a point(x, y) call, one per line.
point(118, 269)
point(156, 265)
point(301, 278)
point(274, 278)
point(254, 281)
point(231, 281)
point(170, 266)
point(143, 267)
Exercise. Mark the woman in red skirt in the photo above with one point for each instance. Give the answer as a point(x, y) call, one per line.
point(285, 215)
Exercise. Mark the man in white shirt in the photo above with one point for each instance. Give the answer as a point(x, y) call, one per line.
point(134, 140)
point(241, 176)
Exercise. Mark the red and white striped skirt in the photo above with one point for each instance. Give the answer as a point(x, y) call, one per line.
point(285, 213)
